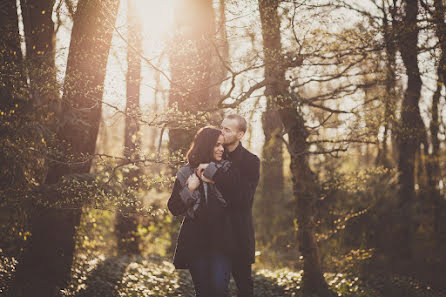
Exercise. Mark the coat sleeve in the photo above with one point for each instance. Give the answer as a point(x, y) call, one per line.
point(236, 186)
point(181, 199)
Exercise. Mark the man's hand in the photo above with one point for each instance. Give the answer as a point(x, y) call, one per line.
point(193, 182)
point(203, 178)
point(202, 167)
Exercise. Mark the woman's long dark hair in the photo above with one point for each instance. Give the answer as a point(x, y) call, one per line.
point(202, 148)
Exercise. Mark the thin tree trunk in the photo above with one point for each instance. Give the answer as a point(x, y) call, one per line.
point(410, 129)
point(390, 86)
point(305, 184)
point(433, 167)
point(40, 50)
point(46, 264)
point(153, 131)
point(435, 171)
point(127, 220)
point(12, 76)
point(12, 82)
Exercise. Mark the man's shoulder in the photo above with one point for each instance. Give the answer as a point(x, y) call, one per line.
point(249, 156)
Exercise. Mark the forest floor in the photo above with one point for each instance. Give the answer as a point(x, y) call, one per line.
point(154, 276)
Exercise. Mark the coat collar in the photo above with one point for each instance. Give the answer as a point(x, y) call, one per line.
point(236, 154)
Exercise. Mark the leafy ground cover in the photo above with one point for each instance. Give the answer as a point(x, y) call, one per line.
point(155, 276)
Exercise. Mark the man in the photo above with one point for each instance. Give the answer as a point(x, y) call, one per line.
point(241, 180)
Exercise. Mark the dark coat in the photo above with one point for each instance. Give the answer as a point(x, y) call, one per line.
point(210, 229)
point(238, 185)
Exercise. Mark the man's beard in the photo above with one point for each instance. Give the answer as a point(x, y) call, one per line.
point(231, 141)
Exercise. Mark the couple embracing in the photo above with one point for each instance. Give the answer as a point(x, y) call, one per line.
point(215, 193)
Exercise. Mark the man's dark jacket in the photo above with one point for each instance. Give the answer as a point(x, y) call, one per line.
point(238, 184)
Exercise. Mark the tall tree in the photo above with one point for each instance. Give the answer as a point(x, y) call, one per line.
point(411, 125)
point(190, 63)
point(11, 75)
point(127, 220)
point(305, 184)
point(431, 169)
point(272, 155)
point(434, 168)
point(40, 50)
point(19, 167)
point(219, 54)
point(46, 264)
point(388, 29)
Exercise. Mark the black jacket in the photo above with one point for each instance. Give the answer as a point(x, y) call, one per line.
point(210, 228)
point(238, 185)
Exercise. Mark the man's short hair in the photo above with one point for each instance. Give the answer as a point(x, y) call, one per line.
point(242, 125)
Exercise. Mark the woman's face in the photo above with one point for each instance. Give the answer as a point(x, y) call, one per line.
point(218, 148)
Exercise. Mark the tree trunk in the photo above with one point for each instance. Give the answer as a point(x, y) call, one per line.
point(218, 70)
point(12, 76)
point(410, 129)
point(46, 264)
point(126, 219)
point(390, 86)
point(40, 50)
point(435, 171)
point(272, 153)
point(158, 100)
point(306, 190)
point(305, 185)
point(272, 170)
point(190, 57)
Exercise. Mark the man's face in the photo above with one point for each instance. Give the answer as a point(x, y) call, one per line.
point(229, 128)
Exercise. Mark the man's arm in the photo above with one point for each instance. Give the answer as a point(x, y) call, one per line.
point(250, 181)
point(230, 181)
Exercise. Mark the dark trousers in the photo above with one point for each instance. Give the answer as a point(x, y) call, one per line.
point(211, 273)
point(241, 272)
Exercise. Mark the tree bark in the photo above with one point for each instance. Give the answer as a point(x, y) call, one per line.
point(272, 158)
point(305, 184)
point(126, 218)
point(272, 169)
point(40, 50)
point(218, 70)
point(410, 128)
point(433, 161)
point(46, 264)
point(390, 85)
point(190, 57)
point(12, 75)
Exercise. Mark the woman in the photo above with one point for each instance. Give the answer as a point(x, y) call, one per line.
point(205, 241)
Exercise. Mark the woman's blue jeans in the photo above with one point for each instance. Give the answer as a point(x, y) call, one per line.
point(210, 273)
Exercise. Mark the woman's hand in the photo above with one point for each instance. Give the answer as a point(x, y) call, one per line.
point(201, 168)
point(193, 182)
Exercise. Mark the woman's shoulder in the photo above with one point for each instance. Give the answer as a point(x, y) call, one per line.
point(185, 167)
point(184, 171)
